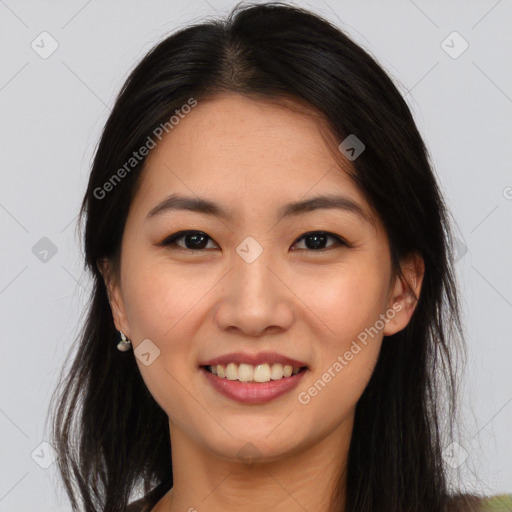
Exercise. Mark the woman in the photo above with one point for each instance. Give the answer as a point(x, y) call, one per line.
point(267, 236)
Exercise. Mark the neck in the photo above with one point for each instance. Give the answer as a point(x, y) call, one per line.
point(305, 480)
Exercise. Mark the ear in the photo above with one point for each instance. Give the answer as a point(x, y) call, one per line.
point(405, 293)
point(114, 295)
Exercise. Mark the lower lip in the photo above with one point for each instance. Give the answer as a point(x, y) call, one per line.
point(253, 392)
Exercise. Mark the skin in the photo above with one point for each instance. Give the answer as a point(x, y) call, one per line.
point(252, 157)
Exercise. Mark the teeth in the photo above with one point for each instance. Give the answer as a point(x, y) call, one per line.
point(245, 372)
point(261, 372)
point(249, 373)
point(277, 371)
point(231, 371)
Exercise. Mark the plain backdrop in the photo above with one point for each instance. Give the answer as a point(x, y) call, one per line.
point(63, 62)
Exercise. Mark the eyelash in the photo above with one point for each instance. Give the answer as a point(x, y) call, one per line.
point(171, 240)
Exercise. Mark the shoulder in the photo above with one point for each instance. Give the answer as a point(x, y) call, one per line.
point(474, 503)
point(502, 502)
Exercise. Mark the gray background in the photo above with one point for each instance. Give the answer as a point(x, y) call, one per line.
point(52, 111)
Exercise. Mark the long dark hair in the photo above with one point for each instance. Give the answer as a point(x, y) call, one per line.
point(110, 435)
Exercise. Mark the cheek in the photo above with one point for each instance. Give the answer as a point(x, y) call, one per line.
point(350, 304)
point(347, 301)
point(158, 298)
point(348, 348)
point(159, 306)
point(164, 304)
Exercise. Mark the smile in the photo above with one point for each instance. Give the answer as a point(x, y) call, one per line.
point(253, 373)
point(239, 382)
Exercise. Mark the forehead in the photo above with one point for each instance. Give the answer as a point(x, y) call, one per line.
point(230, 128)
point(246, 152)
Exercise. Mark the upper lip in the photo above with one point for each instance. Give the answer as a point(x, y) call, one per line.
point(253, 359)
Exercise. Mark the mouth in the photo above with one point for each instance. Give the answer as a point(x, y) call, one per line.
point(253, 384)
point(260, 373)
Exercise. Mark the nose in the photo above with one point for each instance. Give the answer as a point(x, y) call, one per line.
point(255, 298)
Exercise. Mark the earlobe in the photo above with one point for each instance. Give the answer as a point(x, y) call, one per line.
point(405, 293)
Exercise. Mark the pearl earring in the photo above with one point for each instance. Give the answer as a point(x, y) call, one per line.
point(124, 344)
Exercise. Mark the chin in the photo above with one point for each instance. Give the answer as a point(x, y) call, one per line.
point(260, 447)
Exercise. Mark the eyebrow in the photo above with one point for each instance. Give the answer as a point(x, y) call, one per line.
point(207, 207)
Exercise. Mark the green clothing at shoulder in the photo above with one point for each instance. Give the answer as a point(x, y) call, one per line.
point(500, 503)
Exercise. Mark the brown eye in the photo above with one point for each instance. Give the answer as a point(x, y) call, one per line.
point(316, 240)
point(192, 240)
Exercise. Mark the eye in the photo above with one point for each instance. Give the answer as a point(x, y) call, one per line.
point(198, 240)
point(193, 240)
point(315, 240)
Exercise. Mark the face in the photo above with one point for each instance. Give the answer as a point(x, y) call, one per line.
point(263, 283)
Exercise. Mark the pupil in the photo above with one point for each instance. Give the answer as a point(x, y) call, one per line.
point(198, 240)
point(318, 241)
